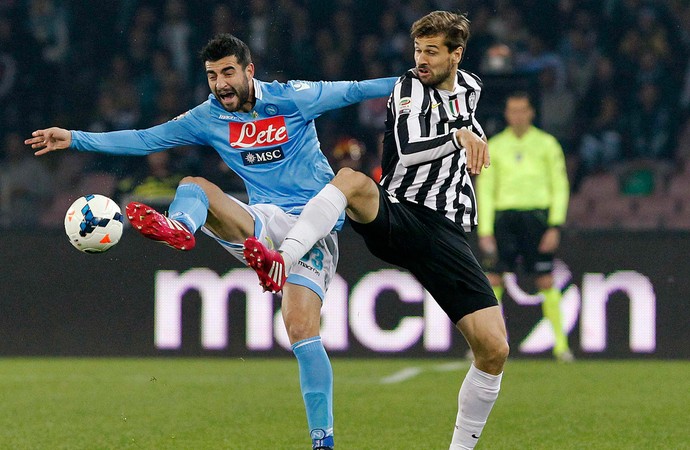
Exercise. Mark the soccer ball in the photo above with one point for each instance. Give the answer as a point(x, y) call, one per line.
point(93, 223)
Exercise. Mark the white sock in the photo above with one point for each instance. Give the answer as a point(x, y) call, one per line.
point(475, 400)
point(316, 221)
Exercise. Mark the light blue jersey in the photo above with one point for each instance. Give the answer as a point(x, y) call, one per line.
point(273, 148)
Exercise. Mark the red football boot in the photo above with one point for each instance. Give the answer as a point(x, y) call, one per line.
point(268, 264)
point(156, 226)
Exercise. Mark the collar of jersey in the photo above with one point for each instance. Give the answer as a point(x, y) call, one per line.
point(258, 93)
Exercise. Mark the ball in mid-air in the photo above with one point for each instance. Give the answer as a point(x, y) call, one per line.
point(93, 223)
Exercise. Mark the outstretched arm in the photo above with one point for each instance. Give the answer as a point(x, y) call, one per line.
point(49, 140)
point(187, 130)
point(314, 98)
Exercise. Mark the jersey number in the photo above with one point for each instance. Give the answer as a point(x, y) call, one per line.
point(315, 258)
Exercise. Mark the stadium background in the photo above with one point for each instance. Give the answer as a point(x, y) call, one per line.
point(609, 77)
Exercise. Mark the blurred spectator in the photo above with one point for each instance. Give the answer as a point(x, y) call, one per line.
point(498, 59)
point(8, 62)
point(395, 42)
point(538, 57)
point(481, 39)
point(508, 27)
point(625, 60)
point(556, 108)
point(223, 20)
point(650, 124)
point(345, 37)
point(412, 10)
point(154, 183)
point(9, 77)
point(119, 91)
point(302, 58)
point(141, 40)
point(176, 35)
point(580, 56)
point(654, 33)
point(49, 26)
point(651, 70)
point(604, 83)
point(25, 184)
point(602, 145)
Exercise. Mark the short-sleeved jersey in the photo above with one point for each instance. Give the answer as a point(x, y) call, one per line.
point(422, 160)
point(273, 148)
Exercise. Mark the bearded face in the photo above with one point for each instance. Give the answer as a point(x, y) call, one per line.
point(436, 65)
point(229, 82)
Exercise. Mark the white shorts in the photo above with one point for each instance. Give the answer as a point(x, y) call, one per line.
point(314, 271)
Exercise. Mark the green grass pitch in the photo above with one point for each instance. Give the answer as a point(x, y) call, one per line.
point(245, 404)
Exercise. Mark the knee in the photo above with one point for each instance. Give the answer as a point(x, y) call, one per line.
point(212, 191)
point(493, 357)
point(345, 172)
point(500, 354)
point(300, 325)
point(298, 331)
point(201, 181)
point(351, 182)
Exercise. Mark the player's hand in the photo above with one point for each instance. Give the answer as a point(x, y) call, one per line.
point(476, 148)
point(487, 244)
point(49, 140)
point(550, 240)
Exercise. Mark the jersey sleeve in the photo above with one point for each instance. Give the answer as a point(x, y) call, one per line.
point(183, 130)
point(412, 140)
point(560, 187)
point(314, 98)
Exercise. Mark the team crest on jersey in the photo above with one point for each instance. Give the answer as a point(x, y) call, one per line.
point(258, 133)
point(472, 100)
point(251, 158)
point(404, 105)
point(271, 109)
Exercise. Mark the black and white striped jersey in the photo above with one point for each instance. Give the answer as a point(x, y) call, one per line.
point(422, 161)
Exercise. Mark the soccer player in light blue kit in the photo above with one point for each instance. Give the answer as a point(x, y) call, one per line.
point(265, 133)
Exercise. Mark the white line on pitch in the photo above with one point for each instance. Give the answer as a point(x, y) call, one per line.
point(451, 367)
point(401, 375)
point(411, 372)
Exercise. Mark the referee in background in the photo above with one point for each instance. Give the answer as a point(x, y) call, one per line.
point(522, 203)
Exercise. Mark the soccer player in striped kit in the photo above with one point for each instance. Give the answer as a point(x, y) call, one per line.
point(265, 133)
point(419, 214)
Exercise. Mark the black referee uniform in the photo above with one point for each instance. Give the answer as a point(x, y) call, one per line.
point(427, 201)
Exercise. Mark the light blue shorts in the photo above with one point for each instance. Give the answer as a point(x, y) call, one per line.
point(314, 271)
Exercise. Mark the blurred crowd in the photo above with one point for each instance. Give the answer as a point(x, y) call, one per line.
point(610, 78)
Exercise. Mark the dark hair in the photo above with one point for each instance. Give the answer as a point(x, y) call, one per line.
point(520, 95)
point(223, 45)
point(455, 27)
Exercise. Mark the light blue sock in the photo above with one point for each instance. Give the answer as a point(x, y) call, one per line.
point(316, 382)
point(190, 206)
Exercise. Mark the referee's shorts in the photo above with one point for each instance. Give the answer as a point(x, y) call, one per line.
point(434, 249)
point(518, 234)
